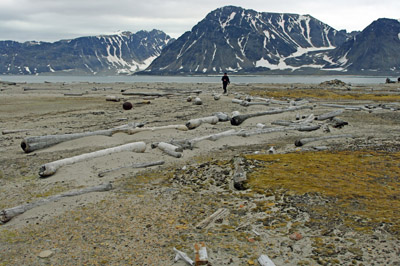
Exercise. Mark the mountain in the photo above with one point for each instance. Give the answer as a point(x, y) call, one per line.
point(233, 39)
point(375, 49)
point(121, 53)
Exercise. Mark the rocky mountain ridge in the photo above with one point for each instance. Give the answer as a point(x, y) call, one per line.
point(122, 53)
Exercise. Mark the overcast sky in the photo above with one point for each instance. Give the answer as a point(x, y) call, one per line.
point(52, 20)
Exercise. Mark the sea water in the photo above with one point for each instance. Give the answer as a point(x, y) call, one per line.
point(308, 79)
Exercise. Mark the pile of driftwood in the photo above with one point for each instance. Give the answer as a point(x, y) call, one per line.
point(175, 148)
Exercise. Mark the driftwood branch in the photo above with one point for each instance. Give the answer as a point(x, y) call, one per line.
point(13, 131)
point(7, 214)
point(220, 213)
point(136, 165)
point(304, 141)
point(238, 119)
point(49, 169)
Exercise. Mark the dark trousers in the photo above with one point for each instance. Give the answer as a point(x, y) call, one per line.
point(224, 85)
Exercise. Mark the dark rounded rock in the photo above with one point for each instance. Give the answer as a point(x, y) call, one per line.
point(127, 106)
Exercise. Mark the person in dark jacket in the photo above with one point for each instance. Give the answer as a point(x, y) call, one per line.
point(225, 82)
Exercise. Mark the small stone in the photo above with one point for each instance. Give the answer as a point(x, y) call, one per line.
point(296, 236)
point(45, 254)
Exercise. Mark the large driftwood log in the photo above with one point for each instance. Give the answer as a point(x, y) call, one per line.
point(7, 214)
point(328, 115)
point(304, 141)
point(30, 144)
point(168, 148)
point(346, 107)
point(212, 137)
point(157, 94)
point(131, 131)
point(49, 169)
point(45, 89)
point(193, 123)
point(237, 120)
point(136, 165)
point(258, 131)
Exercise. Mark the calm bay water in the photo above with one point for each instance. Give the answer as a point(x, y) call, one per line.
point(197, 79)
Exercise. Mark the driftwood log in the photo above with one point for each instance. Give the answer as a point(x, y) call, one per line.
point(49, 169)
point(136, 165)
point(30, 144)
point(219, 214)
point(259, 131)
point(7, 214)
point(222, 117)
point(168, 148)
point(13, 131)
point(304, 141)
point(193, 123)
point(328, 115)
point(113, 98)
point(131, 131)
point(338, 123)
point(239, 119)
point(239, 176)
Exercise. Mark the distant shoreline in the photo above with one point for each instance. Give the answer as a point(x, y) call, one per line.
point(285, 79)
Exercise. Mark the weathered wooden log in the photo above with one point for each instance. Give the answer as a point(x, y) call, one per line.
point(131, 131)
point(170, 149)
point(328, 115)
point(347, 107)
point(136, 165)
point(193, 123)
point(157, 94)
point(179, 255)
point(30, 144)
point(7, 214)
point(200, 254)
point(168, 146)
point(113, 98)
point(34, 143)
point(212, 137)
point(222, 117)
point(338, 123)
point(304, 141)
point(49, 169)
point(239, 177)
point(237, 120)
point(73, 94)
point(219, 214)
point(278, 129)
point(13, 131)
point(45, 89)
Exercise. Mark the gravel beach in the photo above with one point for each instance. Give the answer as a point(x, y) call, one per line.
point(332, 201)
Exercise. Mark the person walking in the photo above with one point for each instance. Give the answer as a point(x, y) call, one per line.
point(225, 82)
